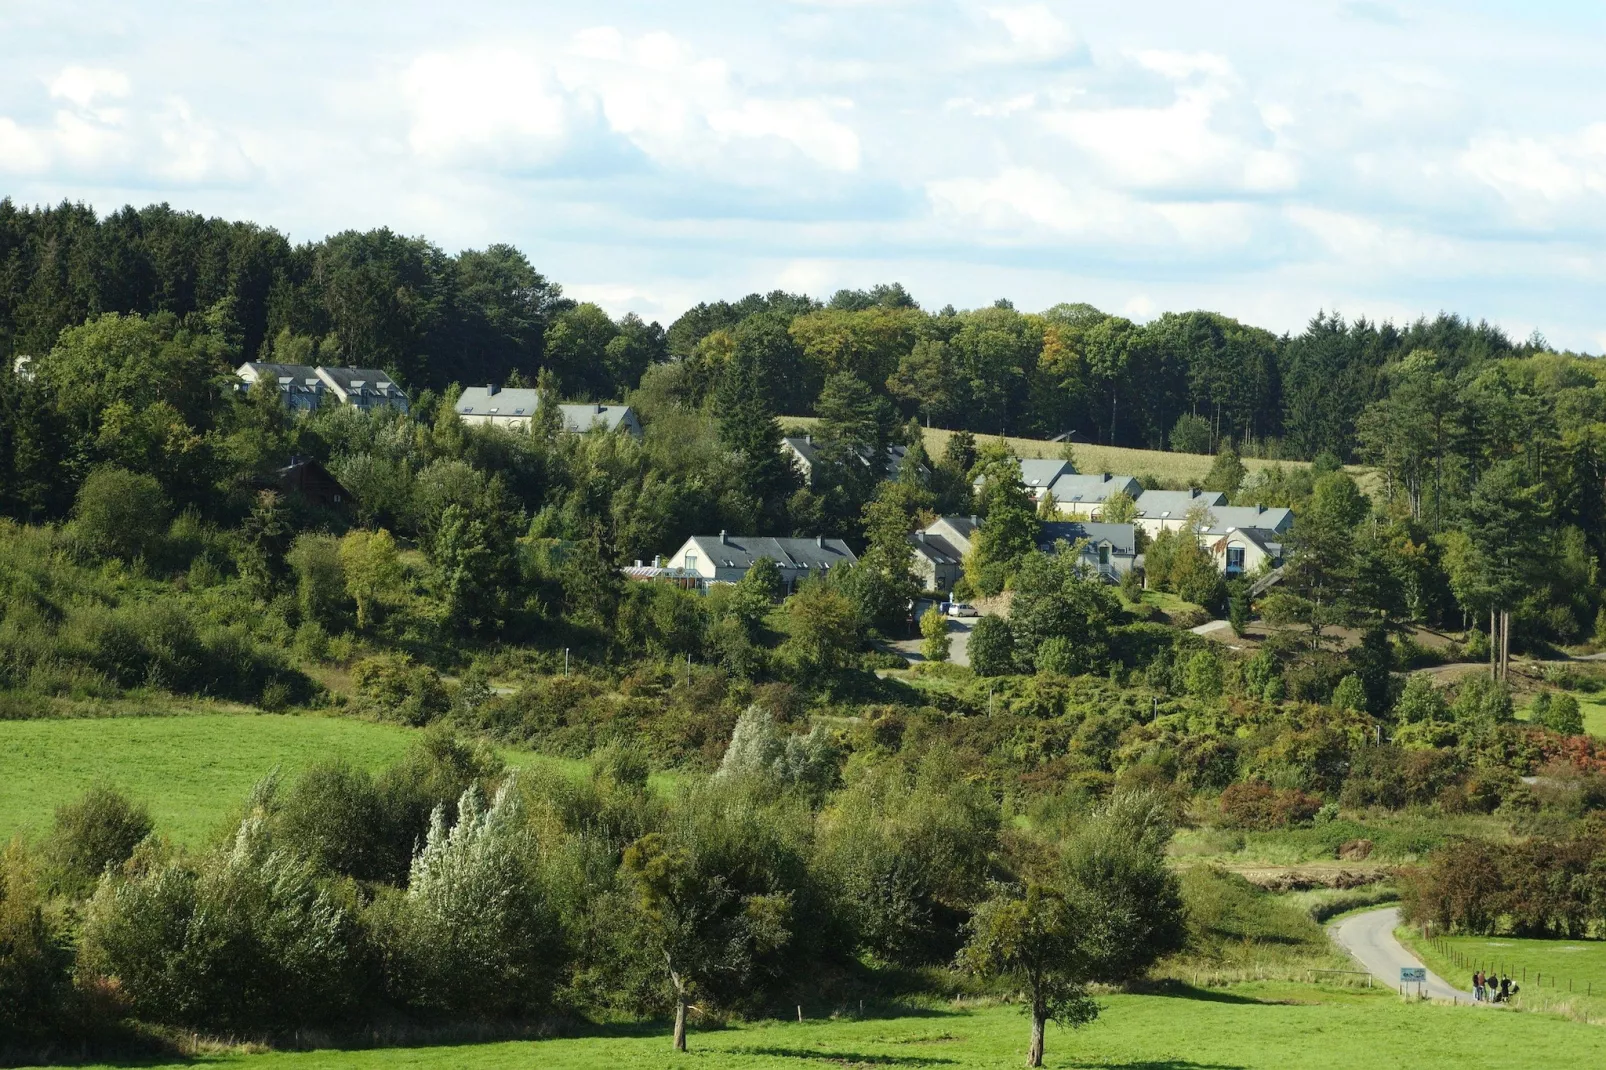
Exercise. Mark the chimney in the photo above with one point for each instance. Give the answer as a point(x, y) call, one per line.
point(819, 540)
point(722, 539)
point(975, 520)
point(1193, 492)
point(657, 560)
point(492, 389)
point(601, 407)
point(809, 438)
point(638, 562)
point(921, 535)
point(1106, 477)
point(1260, 508)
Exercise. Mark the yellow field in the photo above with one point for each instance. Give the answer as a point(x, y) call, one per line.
point(1178, 468)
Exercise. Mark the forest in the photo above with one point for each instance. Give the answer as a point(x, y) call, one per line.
point(843, 824)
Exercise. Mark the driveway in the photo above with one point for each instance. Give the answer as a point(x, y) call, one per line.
point(1369, 938)
point(958, 638)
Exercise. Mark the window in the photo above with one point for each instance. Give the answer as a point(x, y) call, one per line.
point(691, 562)
point(1235, 559)
point(1104, 555)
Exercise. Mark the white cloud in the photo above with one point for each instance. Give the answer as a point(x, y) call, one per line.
point(162, 141)
point(1026, 206)
point(1035, 33)
point(1545, 181)
point(81, 85)
point(652, 90)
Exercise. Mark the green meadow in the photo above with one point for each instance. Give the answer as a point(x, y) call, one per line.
point(1246, 1027)
point(192, 771)
point(1563, 974)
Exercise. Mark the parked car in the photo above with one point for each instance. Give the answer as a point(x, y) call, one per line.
point(962, 609)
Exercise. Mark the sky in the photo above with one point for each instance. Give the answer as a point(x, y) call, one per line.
point(1264, 160)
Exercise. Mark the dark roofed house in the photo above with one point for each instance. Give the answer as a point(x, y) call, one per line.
point(299, 384)
point(725, 558)
point(364, 388)
point(805, 454)
point(1110, 549)
point(309, 479)
point(939, 559)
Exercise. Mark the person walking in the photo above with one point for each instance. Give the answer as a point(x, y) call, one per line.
point(1477, 985)
point(1505, 990)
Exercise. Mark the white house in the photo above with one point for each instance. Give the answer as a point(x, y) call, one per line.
point(513, 409)
point(1240, 551)
point(725, 558)
point(1037, 474)
point(1109, 550)
point(1078, 495)
point(1167, 510)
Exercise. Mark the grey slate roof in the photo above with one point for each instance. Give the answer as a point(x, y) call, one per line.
point(809, 450)
point(523, 402)
point(1074, 488)
point(1174, 504)
point(359, 380)
point(1121, 537)
point(1276, 518)
point(936, 548)
point(740, 551)
point(297, 373)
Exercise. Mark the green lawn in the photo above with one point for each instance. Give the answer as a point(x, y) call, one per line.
point(192, 771)
point(1250, 1027)
point(1572, 970)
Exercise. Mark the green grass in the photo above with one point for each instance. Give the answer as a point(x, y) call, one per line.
point(1552, 973)
point(192, 771)
point(1594, 711)
point(1248, 1027)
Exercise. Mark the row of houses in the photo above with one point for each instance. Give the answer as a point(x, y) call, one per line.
point(1241, 540)
point(304, 387)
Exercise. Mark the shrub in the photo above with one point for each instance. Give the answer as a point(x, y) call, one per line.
point(247, 940)
point(471, 935)
point(934, 634)
point(99, 830)
point(34, 959)
point(1256, 805)
point(393, 688)
point(992, 647)
point(1203, 675)
point(1421, 702)
point(320, 579)
point(1350, 694)
point(758, 750)
point(1564, 715)
point(120, 513)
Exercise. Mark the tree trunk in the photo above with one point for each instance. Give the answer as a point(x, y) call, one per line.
point(1505, 644)
point(1494, 646)
point(680, 1021)
point(1034, 1055)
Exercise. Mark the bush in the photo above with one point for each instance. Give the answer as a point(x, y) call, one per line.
point(392, 688)
point(992, 647)
point(759, 751)
point(471, 935)
point(1350, 694)
point(120, 513)
point(34, 958)
point(934, 635)
point(248, 940)
point(1564, 715)
point(99, 830)
point(1257, 805)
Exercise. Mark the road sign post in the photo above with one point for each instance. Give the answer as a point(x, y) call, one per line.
point(1413, 975)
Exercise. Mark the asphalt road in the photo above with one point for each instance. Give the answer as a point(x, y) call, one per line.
point(1369, 938)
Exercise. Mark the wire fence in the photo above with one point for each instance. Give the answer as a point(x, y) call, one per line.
point(1518, 972)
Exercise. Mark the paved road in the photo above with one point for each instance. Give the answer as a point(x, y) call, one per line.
point(1369, 938)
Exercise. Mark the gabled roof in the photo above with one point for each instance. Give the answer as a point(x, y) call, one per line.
point(359, 380)
point(1174, 504)
point(1269, 541)
point(740, 551)
point(1074, 488)
point(1037, 473)
point(524, 401)
point(1274, 518)
point(296, 373)
point(1121, 537)
point(936, 548)
point(809, 450)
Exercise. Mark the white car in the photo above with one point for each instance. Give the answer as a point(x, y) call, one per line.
point(962, 609)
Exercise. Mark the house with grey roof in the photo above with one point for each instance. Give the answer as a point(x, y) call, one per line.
point(1107, 550)
point(1244, 551)
point(1224, 518)
point(804, 453)
point(514, 408)
point(1038, 473)
point(725, 558)
point(304, 387)
point(1079, 495)
point(1167, 510)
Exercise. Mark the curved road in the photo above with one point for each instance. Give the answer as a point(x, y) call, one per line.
point(1369, 938)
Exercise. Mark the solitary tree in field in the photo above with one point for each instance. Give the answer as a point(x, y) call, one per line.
point(1034, 937)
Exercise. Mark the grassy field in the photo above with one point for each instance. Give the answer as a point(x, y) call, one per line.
point(192, 771)
point(1179, 468)
point(1247, 1027)
point(1594, 710)
point(1569, 974)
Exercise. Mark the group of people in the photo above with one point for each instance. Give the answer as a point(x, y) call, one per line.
point(1488, 987)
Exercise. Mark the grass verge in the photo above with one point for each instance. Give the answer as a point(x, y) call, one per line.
point(1559, 976)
